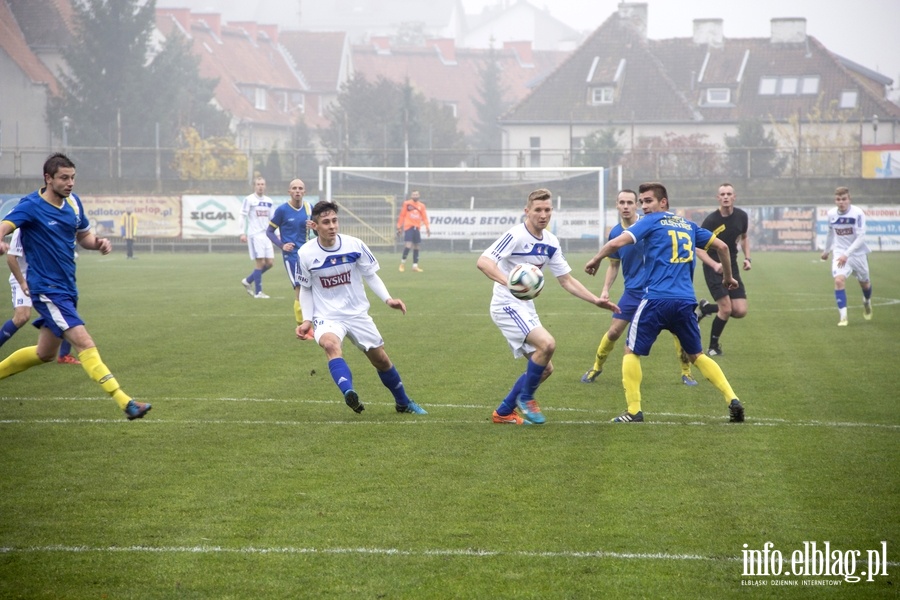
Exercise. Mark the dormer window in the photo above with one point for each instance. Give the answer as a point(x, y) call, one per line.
point(718, 96)
point(602, 95)
point(848, 98)
point(808, 85)
point(260, 99)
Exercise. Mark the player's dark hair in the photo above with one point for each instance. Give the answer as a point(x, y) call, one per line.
point(658, 189)
point(323, 207)
point(57, 161)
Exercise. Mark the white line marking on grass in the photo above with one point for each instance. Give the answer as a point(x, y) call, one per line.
point(464, 552)
point(594, 418)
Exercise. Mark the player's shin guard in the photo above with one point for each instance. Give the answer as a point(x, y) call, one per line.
point(18, 361)
point(7, 331)
point(533, 375)
point(606, 346)
point(713, 372)
point(99, 372)
point(631, 380)
point(340, 373)
point(391, 380)
point(509, 403)
point(682, 357)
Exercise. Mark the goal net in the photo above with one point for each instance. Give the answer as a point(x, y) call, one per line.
point(467, 206)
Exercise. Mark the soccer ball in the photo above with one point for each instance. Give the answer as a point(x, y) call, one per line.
point(525, 281)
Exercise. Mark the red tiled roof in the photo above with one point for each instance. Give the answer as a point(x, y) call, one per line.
point(454, 82)
point(665, 81)
point(12, 41)
point(318, 55)
point(240, 62)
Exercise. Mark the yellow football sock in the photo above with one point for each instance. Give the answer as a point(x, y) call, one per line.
point(603, 350)
point(712, 371)
point(631, 379)
point(18, 361)
point(90, 361)
point(682, 357)
point(298, 314)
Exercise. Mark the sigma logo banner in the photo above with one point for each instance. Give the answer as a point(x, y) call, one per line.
point(215, 216)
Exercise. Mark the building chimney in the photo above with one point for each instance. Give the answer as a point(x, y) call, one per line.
point(790, 30)
point(213, 21)
point(523, 52)
point(271, 32)
point(381, 43)
point(708, 32)
point(446, 49)
point(181, 16)
point(634, 14)
point(248, 26)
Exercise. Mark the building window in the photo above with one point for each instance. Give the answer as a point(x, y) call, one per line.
point(848, 98)
point(767, 86)
point(718, 96)
point(535, 144)
point(260, 99)
point(810, 85)
point(788, 86)
point(451, 106)
point(602, 95)
point(298, 101)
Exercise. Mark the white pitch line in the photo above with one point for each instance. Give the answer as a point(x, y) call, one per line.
point(464, 552)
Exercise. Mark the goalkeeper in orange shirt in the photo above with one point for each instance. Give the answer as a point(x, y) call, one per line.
point(413, 217)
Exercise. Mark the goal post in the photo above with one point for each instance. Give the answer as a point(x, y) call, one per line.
point(457, 188)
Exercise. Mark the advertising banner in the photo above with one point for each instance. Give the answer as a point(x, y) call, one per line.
point(881, 161)
point(157, 216)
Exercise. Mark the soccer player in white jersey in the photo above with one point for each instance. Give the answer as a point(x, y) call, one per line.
point(846, 236)
point(331, 270)
point(256, 212)
point(528, 242)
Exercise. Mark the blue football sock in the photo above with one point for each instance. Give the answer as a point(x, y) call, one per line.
point(532, 379)
point(64, 348)
point(391, 380)
point(340, 372)
point(841, 297)
point(7, 331)
point(509, 403)
point(867, 293)
point(256, 278)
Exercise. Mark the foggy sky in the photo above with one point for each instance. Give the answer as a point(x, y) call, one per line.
point(865, 31)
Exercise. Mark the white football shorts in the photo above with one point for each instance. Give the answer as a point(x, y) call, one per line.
point(19, 298)
point(515, 322)
point(260, 246)
point(361, 330)
point(857, 265)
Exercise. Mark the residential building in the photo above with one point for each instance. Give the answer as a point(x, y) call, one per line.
point(702, 86)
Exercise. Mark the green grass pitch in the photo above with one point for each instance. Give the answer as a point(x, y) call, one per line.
point(250, 478)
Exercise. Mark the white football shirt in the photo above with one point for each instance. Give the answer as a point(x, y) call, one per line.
point(256, 213)
point(518, 246)
point(16, 249)
point(335, 276)
point(846, 232)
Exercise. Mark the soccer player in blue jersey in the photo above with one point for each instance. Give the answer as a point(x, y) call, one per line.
point(518, 321)
point(631, 261)
point(52, 219)
point(21, 297)
point(293, 221)
point(670, 244)
point(331, 271)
